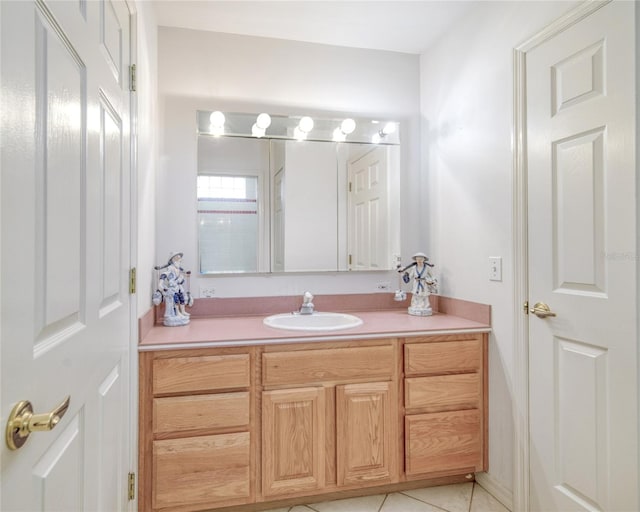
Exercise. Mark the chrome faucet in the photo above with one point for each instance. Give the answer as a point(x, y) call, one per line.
point(307, 305)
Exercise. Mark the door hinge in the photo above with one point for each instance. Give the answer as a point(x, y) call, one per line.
point(132, 487)
point(349, 186)
point(132, 280)
point(132, 78)
point(525, 307)
point(350, 259)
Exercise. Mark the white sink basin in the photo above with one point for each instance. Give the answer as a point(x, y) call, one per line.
point(317, 321)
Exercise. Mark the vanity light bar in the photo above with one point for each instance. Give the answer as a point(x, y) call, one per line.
point(264, 125)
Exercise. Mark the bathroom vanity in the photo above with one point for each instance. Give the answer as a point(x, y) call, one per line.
point(240, 416)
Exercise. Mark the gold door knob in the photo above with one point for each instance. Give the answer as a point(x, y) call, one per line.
point(22, 422)
point(541, 310)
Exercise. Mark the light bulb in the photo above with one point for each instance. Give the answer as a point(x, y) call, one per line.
point(217, 130)
point(339, 135)
point(256, 131)
point(298, 134)
point(306, 124)
point(347, 126)
point(390, 127)
point(263, 121)
point(376, 138)
point(217, 118)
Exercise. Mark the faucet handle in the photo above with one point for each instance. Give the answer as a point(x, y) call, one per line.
point(307, 297)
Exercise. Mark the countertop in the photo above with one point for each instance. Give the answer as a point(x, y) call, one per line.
point(249, 330)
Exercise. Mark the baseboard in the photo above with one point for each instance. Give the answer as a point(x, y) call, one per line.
point(496, 489)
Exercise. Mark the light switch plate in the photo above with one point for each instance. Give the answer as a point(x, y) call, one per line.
point(495, 268)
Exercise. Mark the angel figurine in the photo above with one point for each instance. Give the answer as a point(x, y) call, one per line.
point(424, 284)
point(173, 290)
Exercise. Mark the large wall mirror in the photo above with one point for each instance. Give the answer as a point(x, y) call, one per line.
point(282, 199)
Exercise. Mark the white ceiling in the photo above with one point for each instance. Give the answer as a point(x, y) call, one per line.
point(400, 26)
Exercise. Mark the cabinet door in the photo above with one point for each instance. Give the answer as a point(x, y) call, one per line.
point(293, 441)
point(443, 442)
point(366, 441)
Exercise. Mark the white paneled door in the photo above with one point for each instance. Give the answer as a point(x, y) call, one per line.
point(582, 265)
point(65, 215)
point(369, 211)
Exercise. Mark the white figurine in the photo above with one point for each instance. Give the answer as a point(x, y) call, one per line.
point(424, 284)
point(172, 290)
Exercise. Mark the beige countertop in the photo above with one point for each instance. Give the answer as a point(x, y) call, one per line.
point(229, 331)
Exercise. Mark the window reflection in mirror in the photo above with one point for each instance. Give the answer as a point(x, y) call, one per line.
point(228, 223)
point(233, 233)
point(283, 205)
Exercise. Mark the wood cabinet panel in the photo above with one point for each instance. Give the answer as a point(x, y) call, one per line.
point(443, 392)
point(224, 410)
point(203, 373)
point(293, 441)
point(445, 441)
point(217, 430)
point(307, 367)
point(443, 357)
point(366, 420)
point(207, 469)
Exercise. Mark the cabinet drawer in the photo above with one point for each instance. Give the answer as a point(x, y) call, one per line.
point(443, 441)
point(208, 469)
point(443, 392)
point(225, 410)
point(327, 365)
point(443, 356)
point(204, 373)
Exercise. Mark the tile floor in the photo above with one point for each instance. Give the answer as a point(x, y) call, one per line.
point(466, 497)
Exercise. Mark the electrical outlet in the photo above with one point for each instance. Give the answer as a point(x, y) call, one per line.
point(207, 291)
point(383, 286)
point(495, 268)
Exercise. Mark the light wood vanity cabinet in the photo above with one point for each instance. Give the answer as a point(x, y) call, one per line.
point(445, 404)
point(196, 429)
point(227, 427)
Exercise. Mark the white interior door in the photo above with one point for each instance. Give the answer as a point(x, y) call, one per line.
point(66, 250)
point(582, 238)
point(369, 211)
